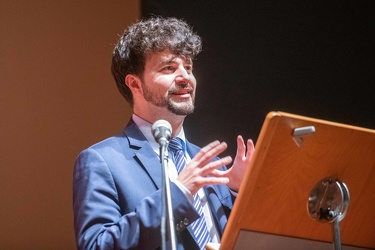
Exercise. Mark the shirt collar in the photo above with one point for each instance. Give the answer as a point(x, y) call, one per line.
point(145, 128)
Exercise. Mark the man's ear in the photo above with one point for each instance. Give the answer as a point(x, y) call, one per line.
point(134, 83)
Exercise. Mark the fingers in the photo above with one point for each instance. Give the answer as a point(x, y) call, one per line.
point(212, 166)
point(204, 181)
point(243, 151)
point(207, 153)
point(202, 171)
point(194, 175)
point(250, 148)
point(216, 180)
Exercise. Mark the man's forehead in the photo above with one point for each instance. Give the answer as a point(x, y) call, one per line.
point(166, 57)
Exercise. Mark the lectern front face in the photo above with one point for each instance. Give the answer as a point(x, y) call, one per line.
point(277, 195)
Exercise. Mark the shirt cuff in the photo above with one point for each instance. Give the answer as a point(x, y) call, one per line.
point(186, 192)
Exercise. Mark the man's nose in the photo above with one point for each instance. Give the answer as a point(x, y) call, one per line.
point(183, 75)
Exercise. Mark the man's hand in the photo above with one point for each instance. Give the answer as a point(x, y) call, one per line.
point(241, 163)
point(195, 175)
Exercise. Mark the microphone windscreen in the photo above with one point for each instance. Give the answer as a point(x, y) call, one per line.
point(161, 130)
point(161, 123)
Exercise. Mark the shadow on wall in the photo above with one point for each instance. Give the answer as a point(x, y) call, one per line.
point(57, 97)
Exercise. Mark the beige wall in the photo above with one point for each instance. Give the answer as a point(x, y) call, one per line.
point(57, 96)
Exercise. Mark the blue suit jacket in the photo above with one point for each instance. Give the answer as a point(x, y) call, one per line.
point(117, 196)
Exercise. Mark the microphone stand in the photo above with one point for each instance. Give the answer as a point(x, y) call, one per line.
point(167, 211)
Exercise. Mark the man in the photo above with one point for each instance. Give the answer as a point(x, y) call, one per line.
point(117, 195)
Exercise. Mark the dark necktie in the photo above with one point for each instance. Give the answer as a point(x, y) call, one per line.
point(199, 226)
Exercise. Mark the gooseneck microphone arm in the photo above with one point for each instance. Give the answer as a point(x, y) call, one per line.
point(162, 132)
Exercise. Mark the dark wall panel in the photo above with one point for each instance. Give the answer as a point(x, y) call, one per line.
point(313, 58)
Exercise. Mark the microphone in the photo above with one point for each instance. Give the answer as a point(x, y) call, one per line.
point(162, 131)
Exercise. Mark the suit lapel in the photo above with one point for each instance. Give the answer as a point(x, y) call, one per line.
point(144, 155)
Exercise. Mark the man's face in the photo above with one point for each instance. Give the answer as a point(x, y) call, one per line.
point(168, 81)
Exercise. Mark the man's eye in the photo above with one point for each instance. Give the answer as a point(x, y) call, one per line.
point(168, 68)
point(189, 68)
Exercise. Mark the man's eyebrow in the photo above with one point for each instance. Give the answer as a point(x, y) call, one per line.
point(169, 60)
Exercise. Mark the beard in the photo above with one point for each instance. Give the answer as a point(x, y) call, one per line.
point(184, 106)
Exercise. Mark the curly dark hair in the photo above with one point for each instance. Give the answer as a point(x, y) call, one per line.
point(155, 34)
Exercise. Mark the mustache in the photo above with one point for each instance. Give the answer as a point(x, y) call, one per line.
point(175, 89)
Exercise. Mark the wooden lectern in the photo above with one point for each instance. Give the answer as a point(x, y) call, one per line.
point(293, 154)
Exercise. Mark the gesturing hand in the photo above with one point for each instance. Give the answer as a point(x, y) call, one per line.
point(242, 161)
point(194, 175)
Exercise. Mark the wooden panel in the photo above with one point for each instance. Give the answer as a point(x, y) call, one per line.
point(274, 195)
